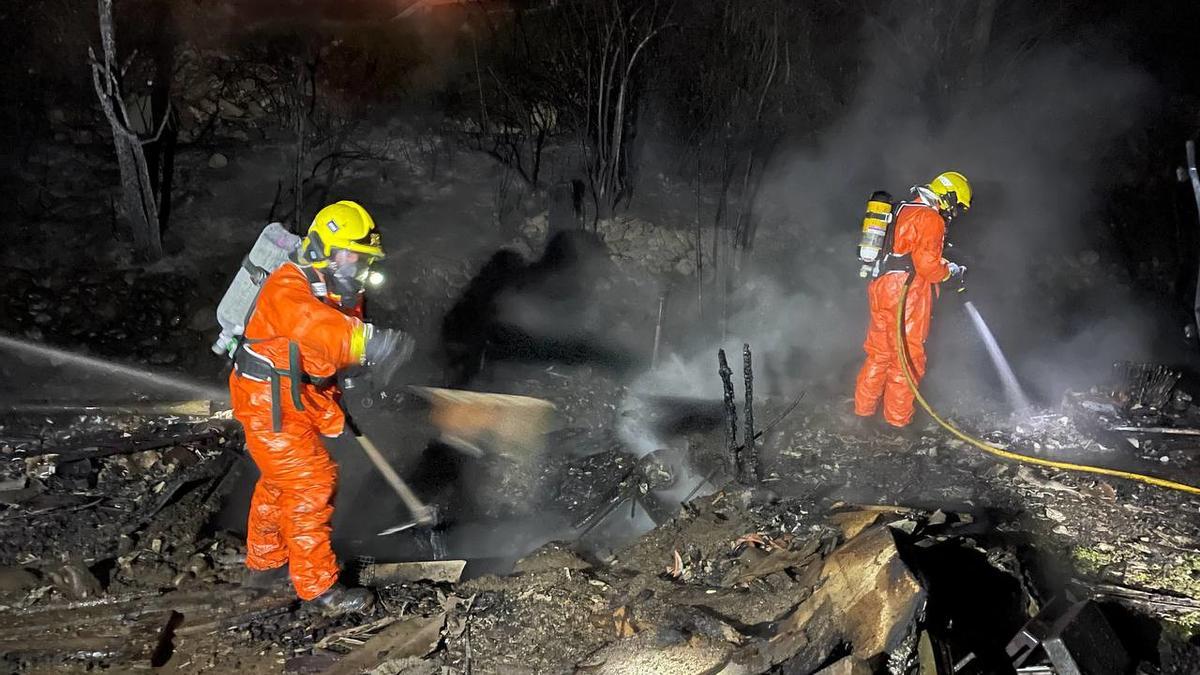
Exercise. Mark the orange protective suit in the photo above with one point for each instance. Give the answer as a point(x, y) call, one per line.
point(919, 235)
point(291, 510)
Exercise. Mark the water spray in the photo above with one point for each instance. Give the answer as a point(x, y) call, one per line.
point(1012, 389)
point(106, 367)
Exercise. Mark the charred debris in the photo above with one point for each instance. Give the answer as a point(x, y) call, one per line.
point(112, 557)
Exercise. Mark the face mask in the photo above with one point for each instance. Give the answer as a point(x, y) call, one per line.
point(348, 275)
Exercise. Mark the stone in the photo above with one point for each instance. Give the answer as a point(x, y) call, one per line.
point(218, 161)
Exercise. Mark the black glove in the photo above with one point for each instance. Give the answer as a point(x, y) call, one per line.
point(387, 350)
point(381, 344)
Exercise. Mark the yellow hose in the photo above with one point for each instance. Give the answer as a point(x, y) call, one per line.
point(902, 349)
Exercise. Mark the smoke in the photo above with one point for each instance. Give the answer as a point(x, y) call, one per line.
point(1035, 138)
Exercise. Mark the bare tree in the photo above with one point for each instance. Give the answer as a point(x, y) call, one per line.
point(139, 204)
point(608, 44)
point(511, 111)
point(734, 100)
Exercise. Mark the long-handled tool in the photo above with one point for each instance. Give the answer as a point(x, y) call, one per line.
point(422, 514)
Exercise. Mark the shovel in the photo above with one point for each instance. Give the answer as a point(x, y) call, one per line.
point(422, 514)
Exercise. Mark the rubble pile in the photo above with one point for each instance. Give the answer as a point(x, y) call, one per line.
point(1121, 540)
point(112, 496)
point(736, 585)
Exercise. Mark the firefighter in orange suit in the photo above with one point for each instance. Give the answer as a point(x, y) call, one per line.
point(920, 229)
point(306, 326)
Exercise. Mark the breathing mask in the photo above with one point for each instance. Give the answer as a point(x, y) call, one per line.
point(348, 274)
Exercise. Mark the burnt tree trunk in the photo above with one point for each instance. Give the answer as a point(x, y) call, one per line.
point(138, 205)
point(733, 462)
point(749, 451)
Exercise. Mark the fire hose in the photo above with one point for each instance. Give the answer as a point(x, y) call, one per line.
point(902, 350)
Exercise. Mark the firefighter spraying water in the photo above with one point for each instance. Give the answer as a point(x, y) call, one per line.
point(901, 249)
point(897, 241)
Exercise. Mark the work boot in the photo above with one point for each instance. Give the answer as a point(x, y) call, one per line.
point(339, 600)
point(909, 435)
point(864, 426)
point(266, 579)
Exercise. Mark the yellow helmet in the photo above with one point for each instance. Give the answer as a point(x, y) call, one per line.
point(952, 190)
point(345, 225)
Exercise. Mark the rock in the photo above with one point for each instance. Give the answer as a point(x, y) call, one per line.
point(218, 161)
point(685, 267)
